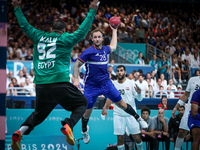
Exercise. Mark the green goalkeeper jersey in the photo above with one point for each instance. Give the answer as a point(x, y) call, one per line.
point(52, 52)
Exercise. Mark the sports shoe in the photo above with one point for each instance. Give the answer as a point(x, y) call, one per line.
point(143, 124)
point(66, 130)
point(86, 137)
point(175, 81)
point(180, 81)
point(16, 140)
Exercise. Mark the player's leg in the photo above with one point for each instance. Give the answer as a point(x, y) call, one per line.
point(113, 94)
point(183, 129)
point(71, 99)
point(196, 138)
point(133, 128)
point(119, 123)
point(44, 105)
point(91, 98)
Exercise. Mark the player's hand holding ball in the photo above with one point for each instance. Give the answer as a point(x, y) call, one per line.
point(114, 22)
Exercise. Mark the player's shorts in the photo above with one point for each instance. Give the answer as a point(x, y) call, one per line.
point(184, 120)
point(122, 123)
point(192, 122)
point(107, 89)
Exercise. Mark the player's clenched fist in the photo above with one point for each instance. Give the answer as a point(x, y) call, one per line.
point(16, 3)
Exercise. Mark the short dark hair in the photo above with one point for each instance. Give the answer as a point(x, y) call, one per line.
point(58, 25)
point(96, 30)
point(182, 107)
point(121, 66)
point(145, 109)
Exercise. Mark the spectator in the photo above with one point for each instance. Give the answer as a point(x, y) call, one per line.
point(136, 76)
point(140, 32)
point(29, 55)
point(174, 124)
point(150, 92)
point(14, 82)
point(163, 103)
point(9, 78)
point(25, 73)
point(23, 52)
point(20, 78)
point(161, 92)
point(23, 91)
point(153, 75)
point(163, 66)
point(143, 85)
point(157, 43)
point(178, 51)
point(130, 76)
point(112, 73)
point(171, 85)
point(170, 94)
point(140, 60)
point(31, 76)
point(196, 73)
point(137, 18)
point(148, 134)
point(179, 92)
point(195, 62)
point(140, 72)
point(160, 126)
point(158, 85)
point(187, 56)
point(30, 87)
point(164, 82)
point(171, 47)
point(11, 92)
point(122, 34)
point(154, 63)
point(176, 71)
point(185, 71)
point(151, 81)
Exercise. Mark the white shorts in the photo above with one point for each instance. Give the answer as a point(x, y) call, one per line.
point(123, 123)
point(184, 120)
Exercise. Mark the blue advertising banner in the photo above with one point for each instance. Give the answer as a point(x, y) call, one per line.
point(47, 135)
point(16, 66)
point(133, 50)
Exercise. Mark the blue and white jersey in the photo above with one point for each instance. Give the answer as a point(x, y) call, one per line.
point(96, 64)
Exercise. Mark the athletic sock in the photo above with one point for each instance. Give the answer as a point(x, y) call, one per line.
point(121, 147)
point(139, 146)
point(179, 143)
point(131, 111)
point(23, 129)
point(84, 123)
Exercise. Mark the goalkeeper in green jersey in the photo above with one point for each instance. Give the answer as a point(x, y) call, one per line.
point(51, 59)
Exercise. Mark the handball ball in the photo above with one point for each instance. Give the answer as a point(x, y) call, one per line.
point(114, 22)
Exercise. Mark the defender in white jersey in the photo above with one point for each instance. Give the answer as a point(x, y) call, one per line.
point(193, 85)
point(122, 120)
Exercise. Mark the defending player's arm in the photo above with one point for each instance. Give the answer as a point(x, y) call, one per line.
point(104, 110)
point(137, 93)
point(180, 102)
point(113, 43)
point(32, 32)
point(73, 38)
point(76, 67)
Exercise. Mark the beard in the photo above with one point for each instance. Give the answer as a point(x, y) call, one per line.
point(122, 77)
point(98, 45)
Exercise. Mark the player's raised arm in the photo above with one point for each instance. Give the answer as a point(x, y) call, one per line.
point(113, 43)
point(84, 28)
point(25, 26)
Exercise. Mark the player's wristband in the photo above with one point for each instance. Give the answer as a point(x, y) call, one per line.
point(197, 116)
point(180, 102)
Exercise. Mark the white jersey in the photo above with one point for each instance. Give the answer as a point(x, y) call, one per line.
point(128, 94)
point(193, 85)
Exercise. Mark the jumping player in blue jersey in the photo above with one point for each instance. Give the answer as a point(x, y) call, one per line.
point(97, 81)
point(194, 120)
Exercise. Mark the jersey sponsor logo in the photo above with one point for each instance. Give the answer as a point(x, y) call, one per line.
point(122, 91)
